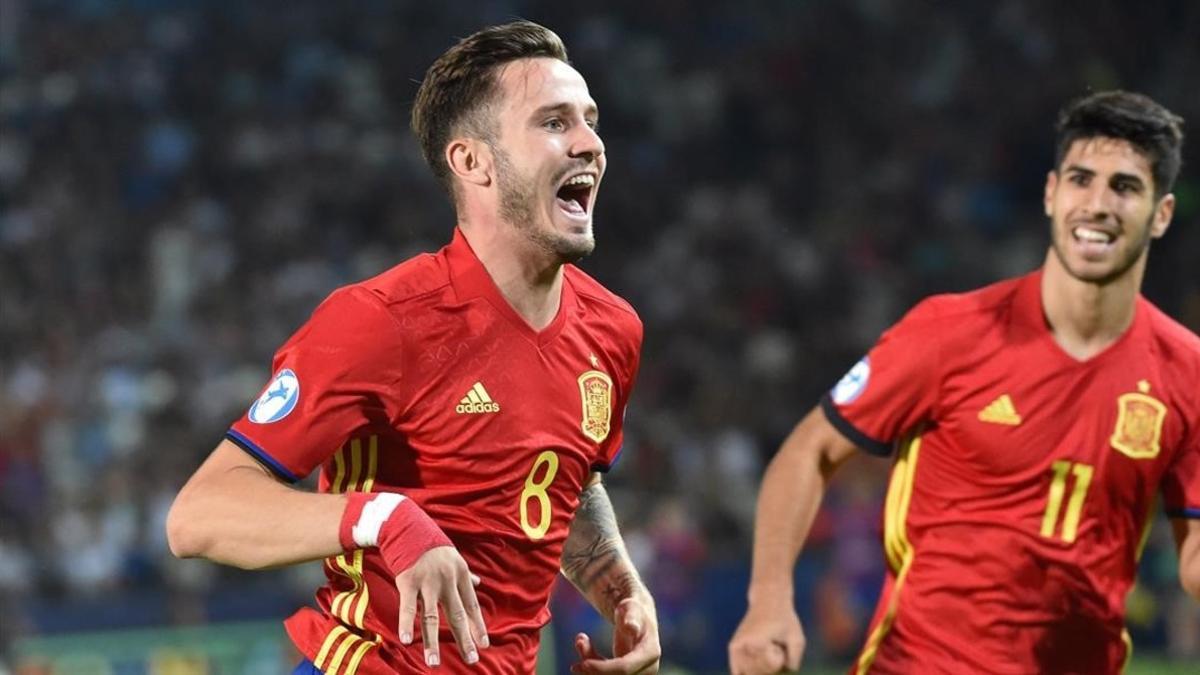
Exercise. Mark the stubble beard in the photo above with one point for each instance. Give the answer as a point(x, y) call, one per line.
point(1129, 256)
point(518, 207)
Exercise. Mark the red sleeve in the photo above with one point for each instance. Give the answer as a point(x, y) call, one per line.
point(335, 376)
point(1181, 483)
point(891, 389)
point(610, 448)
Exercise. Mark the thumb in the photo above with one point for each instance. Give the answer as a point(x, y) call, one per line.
point(583, 646)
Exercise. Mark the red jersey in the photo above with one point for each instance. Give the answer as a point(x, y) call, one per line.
point(1023, 482)
point(424, 381)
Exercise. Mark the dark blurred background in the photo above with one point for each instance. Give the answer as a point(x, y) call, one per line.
point(181, 182)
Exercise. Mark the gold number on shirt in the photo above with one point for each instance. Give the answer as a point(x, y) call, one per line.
point(535, 489)
point(1058, 488)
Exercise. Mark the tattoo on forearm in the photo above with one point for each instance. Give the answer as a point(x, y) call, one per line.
point(594, 557)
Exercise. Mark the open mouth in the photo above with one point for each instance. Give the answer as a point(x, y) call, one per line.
point(575, 194)
point(1093, 243)
point(1093, 236)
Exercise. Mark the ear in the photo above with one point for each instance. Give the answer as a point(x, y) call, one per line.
point(1161, 219)
point(470, 160)
point(1048, 193)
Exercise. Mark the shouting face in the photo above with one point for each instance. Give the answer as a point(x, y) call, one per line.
point(549, 160)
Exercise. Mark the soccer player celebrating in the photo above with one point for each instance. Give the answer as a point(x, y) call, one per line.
point(460, 407)
point(1031, 423)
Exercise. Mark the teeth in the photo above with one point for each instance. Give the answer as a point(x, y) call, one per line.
point(1084, 234)
point(583, 179)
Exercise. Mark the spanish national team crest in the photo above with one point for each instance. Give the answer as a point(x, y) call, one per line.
point(1139, 424)
point(595, 392)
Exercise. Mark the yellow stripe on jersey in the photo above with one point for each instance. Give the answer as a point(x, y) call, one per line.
point(343, 601)
point(334, 635)
point(1128, 649)
point(895, 539)
point(355, 464)
point(336, 486)
point(335, 661)
point(350, 606)
point(364, 593)
point(353, 570)
point(337, 645)
point(372, 463)
point(362, 590)
point(352, 667)
point(899, 494)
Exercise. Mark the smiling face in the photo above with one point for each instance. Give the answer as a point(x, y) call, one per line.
point(548, 158)
point(1103, 211)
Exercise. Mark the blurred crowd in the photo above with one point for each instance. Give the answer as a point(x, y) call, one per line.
point(181, 182)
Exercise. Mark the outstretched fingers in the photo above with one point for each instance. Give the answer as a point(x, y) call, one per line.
point(440, 579)
point(429, 627)
point(460, 625)
point(466, 590)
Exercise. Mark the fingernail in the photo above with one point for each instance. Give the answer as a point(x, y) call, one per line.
point(406, 638)
point(472, 656)
point(485, 641)
point(432, 660)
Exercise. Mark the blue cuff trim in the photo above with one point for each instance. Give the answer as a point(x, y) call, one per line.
point(868, 444)
point(1184, 513)
point(261, 455)
point(605, 468)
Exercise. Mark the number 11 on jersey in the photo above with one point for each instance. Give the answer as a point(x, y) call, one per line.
point(1058, 488)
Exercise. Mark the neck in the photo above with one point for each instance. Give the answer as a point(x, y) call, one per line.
point(530, 279)
point(1086, 317)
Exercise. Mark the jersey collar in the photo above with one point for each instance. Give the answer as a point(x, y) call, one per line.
point(1030, 316)
point(471, 280)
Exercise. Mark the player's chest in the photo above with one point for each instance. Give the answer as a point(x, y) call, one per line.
point(1017, 414)
point(499, 397)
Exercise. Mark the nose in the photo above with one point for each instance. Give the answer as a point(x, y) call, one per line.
point(1097, 204)
point(586, 144)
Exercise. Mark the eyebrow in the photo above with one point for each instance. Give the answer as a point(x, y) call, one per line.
point(565, 108)
point(1075, 168)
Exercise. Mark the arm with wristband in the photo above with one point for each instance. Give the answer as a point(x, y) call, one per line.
point(235, 512)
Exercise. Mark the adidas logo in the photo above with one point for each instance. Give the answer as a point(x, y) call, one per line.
point(1000, 411)
point(477, 401)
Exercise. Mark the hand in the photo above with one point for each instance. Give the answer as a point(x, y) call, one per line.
point(440, 577)
point(635, 644)
point(769, 640)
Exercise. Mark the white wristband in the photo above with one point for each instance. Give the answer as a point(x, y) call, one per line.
point(374, 513)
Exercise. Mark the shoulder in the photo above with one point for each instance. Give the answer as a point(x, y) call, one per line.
point(418, 276)
point(1172, 340)
point(371, 305)
point(965, 311)
point(596, 298)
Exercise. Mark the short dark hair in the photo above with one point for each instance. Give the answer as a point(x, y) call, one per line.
point(463, 82)
point(1152, 129)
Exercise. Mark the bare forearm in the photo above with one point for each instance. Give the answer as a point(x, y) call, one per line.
point(791, 495)
point(787, 505)
point(233, 512)
point(594, 558)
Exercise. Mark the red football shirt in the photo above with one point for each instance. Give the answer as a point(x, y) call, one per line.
point(425, 381)
point(1023, 480)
